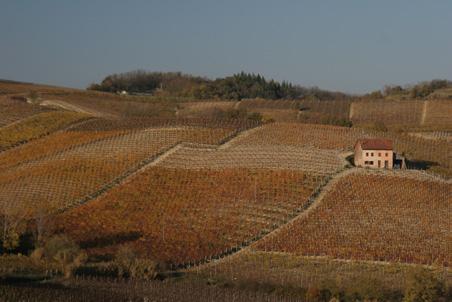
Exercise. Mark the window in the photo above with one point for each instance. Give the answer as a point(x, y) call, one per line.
point(386, 164)
point(371, 162)
point(372, 154)
point(379, 153)
point(367, 153)
point(386, 154)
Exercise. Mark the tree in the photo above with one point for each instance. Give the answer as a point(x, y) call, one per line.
point(13, 218)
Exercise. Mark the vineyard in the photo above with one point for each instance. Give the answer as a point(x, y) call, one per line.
point(55, 180)
point(200, 109)
point(303, 135)
point(312, 160)
point(36, 126)
point(343, 139)
point(183, 216)
point(94, 290)
point(285, 269)
point(374, 217)
point(221, 205)
point(12, 87)
point(312, 111)
point(13, 110)
point(438, 113)
point(51, 145)
point(269, 104)
point(387, 112)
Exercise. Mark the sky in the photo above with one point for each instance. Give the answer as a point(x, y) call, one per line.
point(349, 45)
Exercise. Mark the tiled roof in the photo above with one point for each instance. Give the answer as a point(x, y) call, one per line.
point(375, 144)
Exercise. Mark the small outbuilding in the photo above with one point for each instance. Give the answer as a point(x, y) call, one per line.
point(374, 153)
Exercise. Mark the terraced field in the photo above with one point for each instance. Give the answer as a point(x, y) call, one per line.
point(51, 145)
point(268, 104)
point(286, 269)
point(37, 126)
point(60, 176)
point(12, 110)
point(204, 108)
point(182, 216)
point(343, 139)
point(303, 135)
point(438, 114)
point(374, 217)
point(407, 112)
point(312, 160)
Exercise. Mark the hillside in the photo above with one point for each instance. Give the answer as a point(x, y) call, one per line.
point(373, 217)
point(251, 192)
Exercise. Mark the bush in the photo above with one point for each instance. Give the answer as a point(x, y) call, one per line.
point(129, 265)
point(343, 123)
point(65, 253)
point(10, 240)
point(380, 126)
point(423, 286)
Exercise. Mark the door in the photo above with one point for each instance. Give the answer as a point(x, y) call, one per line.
point(386, 164)
point(379, 163)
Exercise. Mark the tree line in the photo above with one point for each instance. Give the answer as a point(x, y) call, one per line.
point(236, 87)
point(417, 91)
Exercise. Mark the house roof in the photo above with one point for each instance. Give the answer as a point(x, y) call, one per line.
point(375, 144)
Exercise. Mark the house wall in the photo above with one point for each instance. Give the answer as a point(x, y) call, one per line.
point(358, 156)
point(374, 156)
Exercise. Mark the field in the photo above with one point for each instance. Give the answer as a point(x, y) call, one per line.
point(268, 104)
point(314, 161)
point(285, 269)
point(92, 290)
point(57, 178)
point(96, 103)
point(438, 113)
point(202, 109)
point(221, 206)
point(374, 217)
point(51, 145)
point(181, 216)
point(387, 112)
point(303, 135)
point(13, 110)
point(421, 151)
point(403, 114)
point(36, 126)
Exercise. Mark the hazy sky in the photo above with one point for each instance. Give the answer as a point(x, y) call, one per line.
point(350, 45)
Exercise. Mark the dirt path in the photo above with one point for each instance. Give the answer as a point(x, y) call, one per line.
point(139, 168)
point(242, 135)
point(424, 113)
point(328, 187)
point(313, 202)
point(76, 108)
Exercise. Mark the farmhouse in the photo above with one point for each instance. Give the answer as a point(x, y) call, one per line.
point(374, 153)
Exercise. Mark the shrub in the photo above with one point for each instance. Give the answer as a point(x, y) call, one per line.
point(380, 126)
point(129, 265)
point(65, 253)
point(124, 260)
point(11, 240)
point(423, 286)
point(343, 123)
